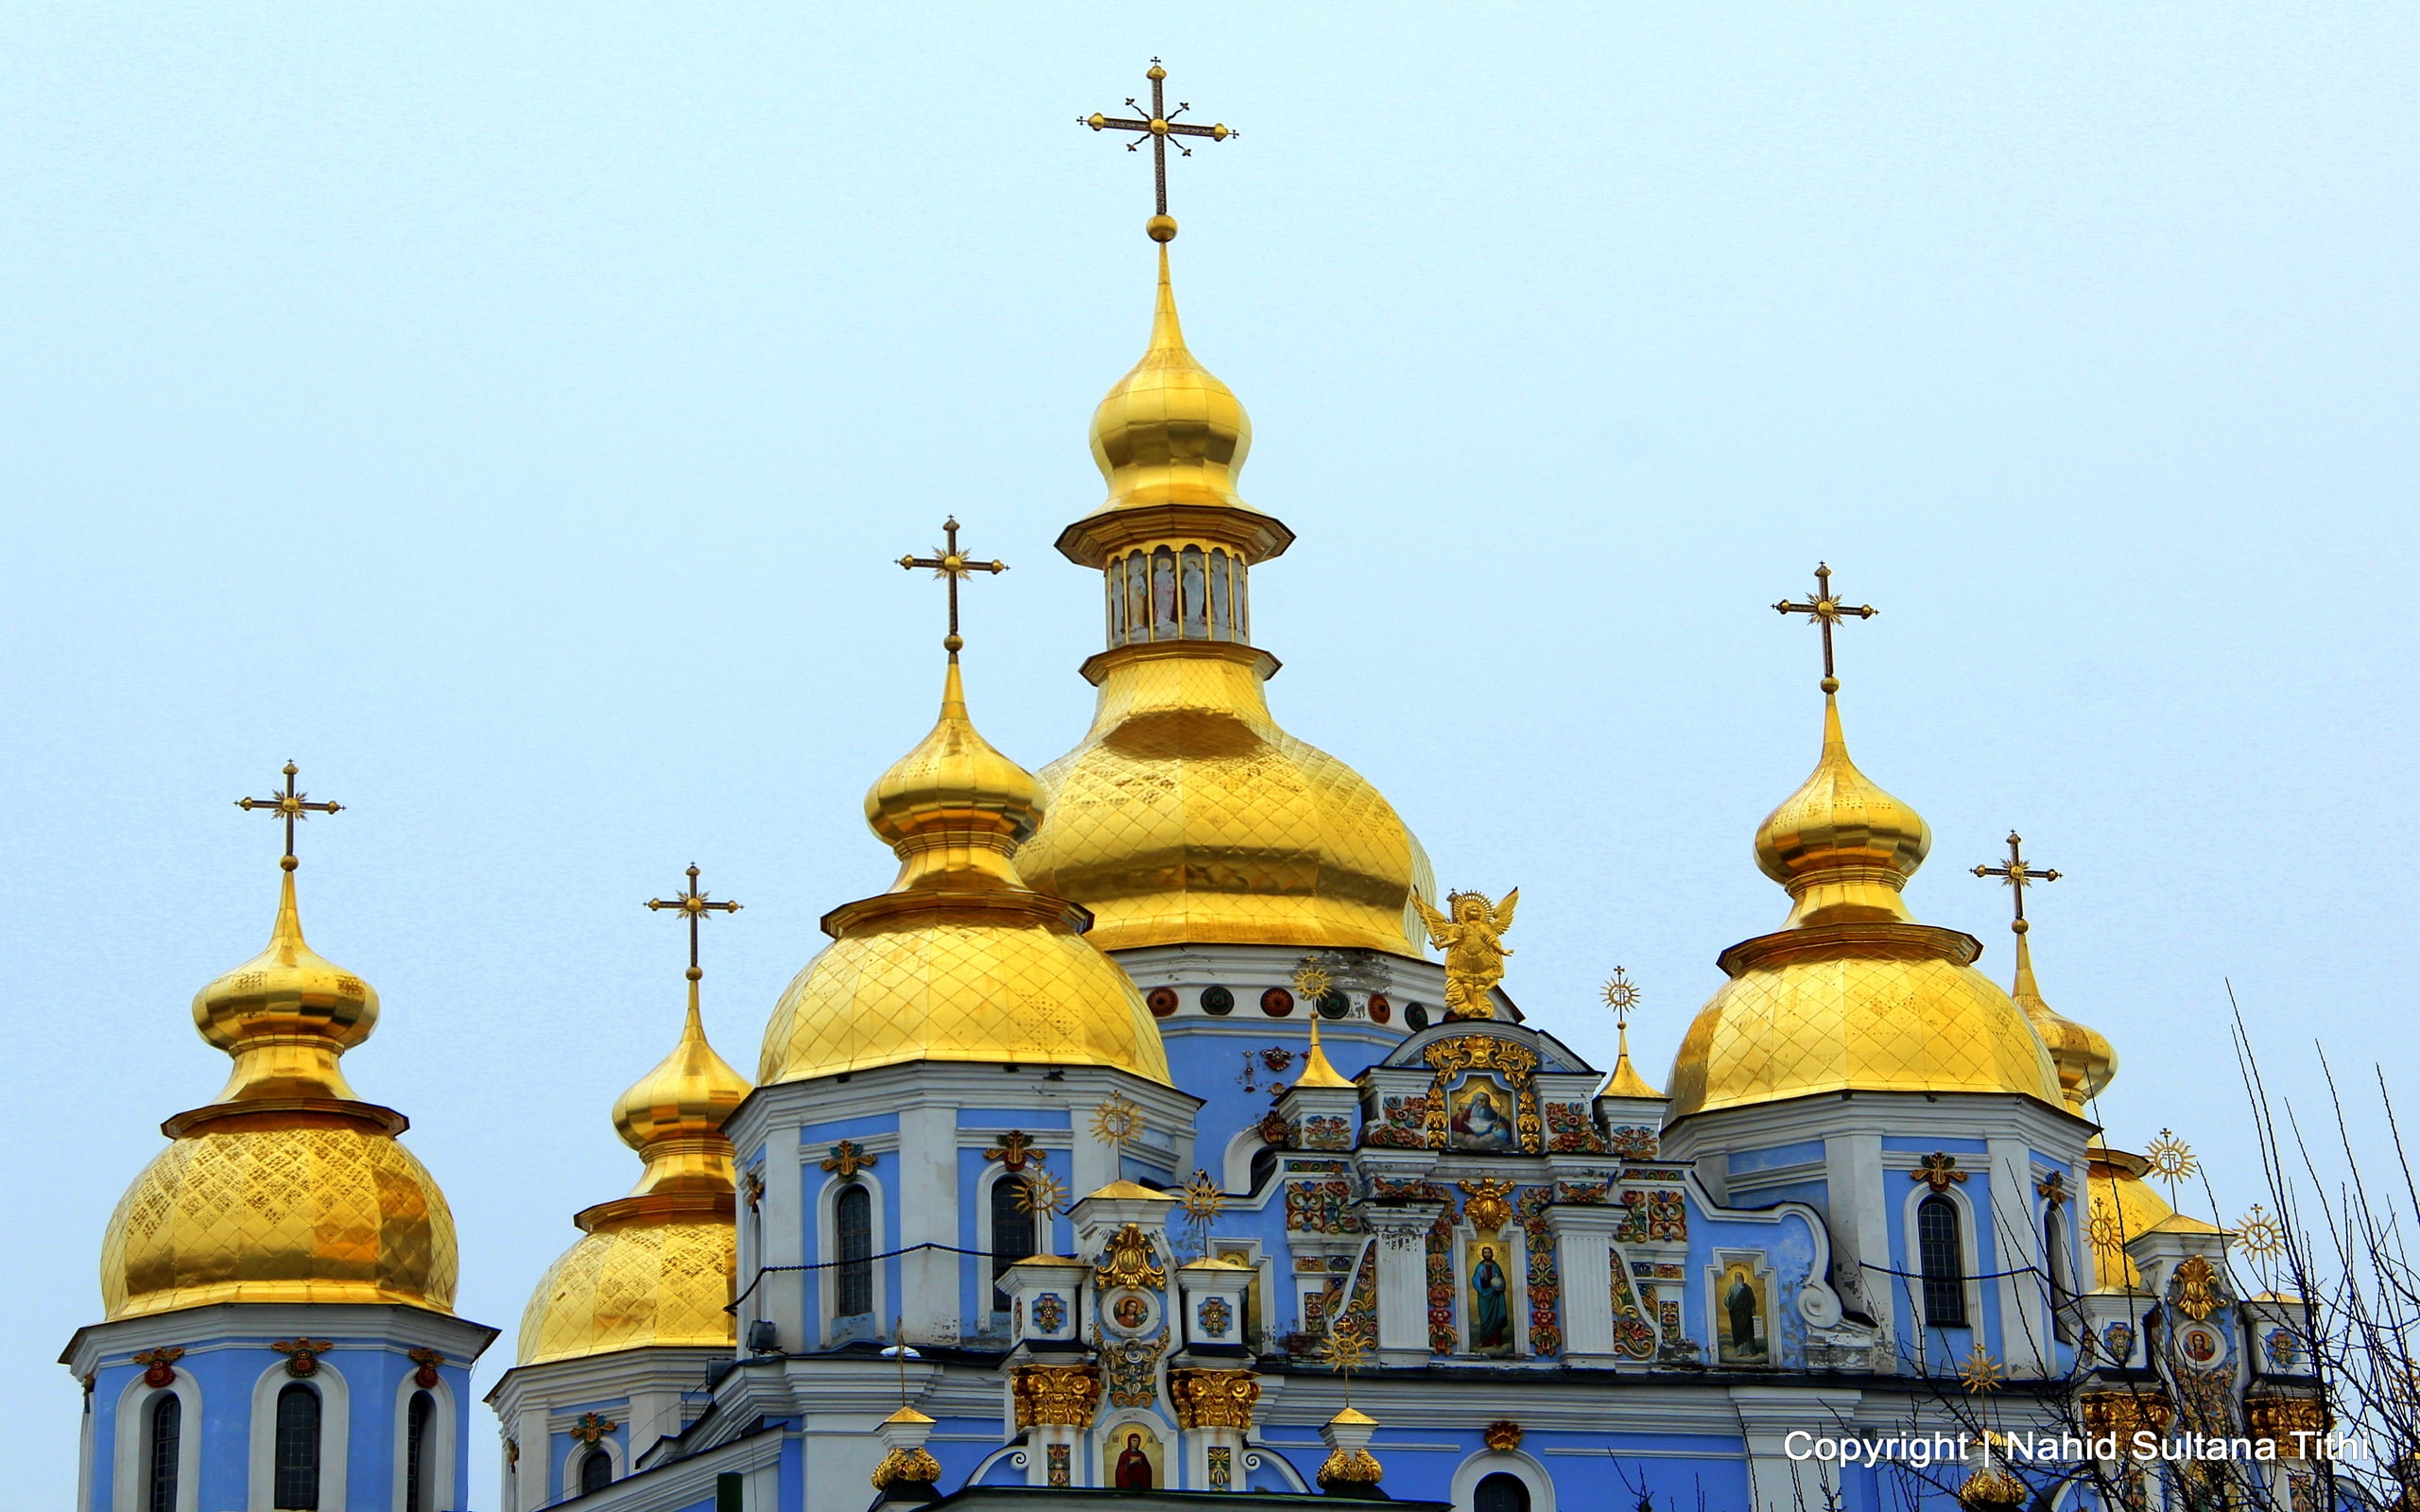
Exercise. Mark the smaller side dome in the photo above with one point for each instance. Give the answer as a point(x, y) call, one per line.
point(1169, 432)
point(1841, 846)
point(954, 808)
point(2088, 1062)
point(673, 1115)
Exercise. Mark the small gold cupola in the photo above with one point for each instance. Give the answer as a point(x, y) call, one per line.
point(1852, 995)
point(653, 1268)
point(287, 1187)
point(960, 959)
point(1171, 432)
point(2086, 1060)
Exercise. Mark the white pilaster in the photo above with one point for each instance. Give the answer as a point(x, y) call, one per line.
point(1856, 1201)
point(2025, 1320)
point(927, 1179)
point(1584, 1240)
point(1403, 1278)
point(783, 1239)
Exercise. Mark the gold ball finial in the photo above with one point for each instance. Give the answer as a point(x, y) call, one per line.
point(1155, 73)
point(2021, 926)
point(697, 975)
point(1160, 228)
point(953, 644)
point(287, 863)
point(1830, 684)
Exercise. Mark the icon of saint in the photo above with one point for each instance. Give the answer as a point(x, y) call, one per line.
point(1481, 1125)
point(1491, 1316)
point(1133, 1466)
point(1740, 1302)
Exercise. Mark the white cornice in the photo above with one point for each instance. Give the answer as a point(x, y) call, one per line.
point(355, 1326)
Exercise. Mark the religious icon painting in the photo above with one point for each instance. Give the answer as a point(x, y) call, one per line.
point(2199, 1344)
point(1480, 1115)
point(1130, 1455)
point(1130, 1311)
point(1487, 1295)
point(1742, 1326)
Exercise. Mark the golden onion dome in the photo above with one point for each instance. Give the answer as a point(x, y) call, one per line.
point(1187, 815)
point(960, 960)
point(1840, 845)
point(1852, 995)
point(1171, 432)
point(288, 1188)
point(655, 1268)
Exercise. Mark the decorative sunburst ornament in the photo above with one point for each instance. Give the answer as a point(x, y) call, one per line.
point(2103, 1229)
point(1311, 984)
point(1040, 1192)
point(1341, 1352)
point(2171, 1158)
point(1203, 1202)
point(1979, 1373)
point(2259, 1234)
point(1621, 993)
point(1118, 1121)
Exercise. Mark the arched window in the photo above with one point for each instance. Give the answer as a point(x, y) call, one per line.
point(1942, 1262)
point(2062, 1283)
point(595, 1470)
point(295, 1484)
point(1011, 1231)
point(1501, 1493)
point(1263, 1165)
point(167, 1428)
point(852, 1224)
point(418, 1418)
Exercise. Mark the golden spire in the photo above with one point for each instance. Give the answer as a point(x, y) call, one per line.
point(2086, 1060)
point(1314, 985)
point(288, 1013)
point(953, 809)
point(673, 1115)
point(1162, 129)
point(1621, 995)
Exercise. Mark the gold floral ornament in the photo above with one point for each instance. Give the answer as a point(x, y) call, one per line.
point(2052, 1189)
point(1128, 1262)
point(1487, 1209)
point(848, 1158)
point(1040, 1192)
point(1503, 1435)
point(1471, 934)
point(302, 1356)
point(2197, 1288)
point(1118, 1121)
point(2259, 1235)
point(1938, 1171)
point(1014, 1149)
point(591, 1427)
point(1979, 1373)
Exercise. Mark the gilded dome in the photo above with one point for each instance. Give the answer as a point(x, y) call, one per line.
point(2122, 1208)
point(960, 960)
point(1187, 815)
point(1852, 995)
point(288, 1188)
point(655, 1268)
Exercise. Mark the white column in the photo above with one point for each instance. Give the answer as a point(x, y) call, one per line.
point(1403, 1278)
point(533, 1470)
point(927, 1178)
point(783, 1237)
point(1856, 1200)
point(653, 1415)
point(1584, 1242)
point(2025, 1323)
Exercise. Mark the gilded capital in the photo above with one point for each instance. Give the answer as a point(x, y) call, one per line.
point(2124, 1413)
point(1057, 1395)
point(1213, 1399)
point(2278, 1419)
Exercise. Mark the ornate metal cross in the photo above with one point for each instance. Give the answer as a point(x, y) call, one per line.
point(2018, 876)
point(1826, 610)
point(289, 806)
point(1157, 128)
point(951, 564)
point(693, 906)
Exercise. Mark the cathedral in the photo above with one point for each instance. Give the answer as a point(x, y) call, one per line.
point(1133, 1144)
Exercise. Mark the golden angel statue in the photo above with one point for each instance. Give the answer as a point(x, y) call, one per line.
point(1473, 940)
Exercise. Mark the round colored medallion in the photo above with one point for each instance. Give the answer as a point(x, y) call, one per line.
point(1217, 1001)
point(1277, 1003)
point(1162, 1001)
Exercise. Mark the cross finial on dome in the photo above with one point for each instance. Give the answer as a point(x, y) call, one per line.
point(693, 906)
point(2019, 875)
point(289, 806)
point(1157, 129)
point(950, 564)
point(1826, 610)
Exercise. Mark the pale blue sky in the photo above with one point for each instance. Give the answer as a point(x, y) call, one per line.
point(511, 413)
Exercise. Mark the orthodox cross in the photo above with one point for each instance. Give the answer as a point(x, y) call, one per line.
point(1826, 610)
point(950, 564)
point(2018, 876)
point(1157, 129)
point(289, 806)
point(693, 906)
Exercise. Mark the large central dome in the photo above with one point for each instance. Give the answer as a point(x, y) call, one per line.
point(1188, 815)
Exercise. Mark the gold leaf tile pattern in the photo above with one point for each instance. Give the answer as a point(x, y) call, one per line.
point(330, 1212)
point(1188, 815)
point(628, 1288)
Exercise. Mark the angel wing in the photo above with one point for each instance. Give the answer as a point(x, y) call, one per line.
point(1504, 912)
point(1434, 920)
